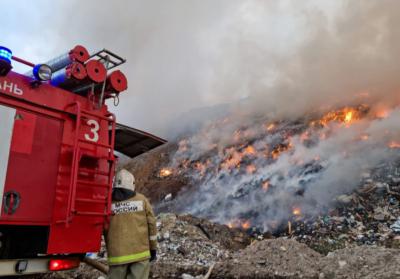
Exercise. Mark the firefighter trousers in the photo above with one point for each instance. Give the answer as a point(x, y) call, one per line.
point(138, 270)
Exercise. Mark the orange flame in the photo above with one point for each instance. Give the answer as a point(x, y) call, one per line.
point(296, 211)
point(270, 127)
point(348, 117)
point(382, 111)
point(382, 114)
point(246, 225)
point(235, 158)
point(164, 172)
point(279, 149)
point(249, 150)
point(232, 162)
point(238, 223)
point(394, 144)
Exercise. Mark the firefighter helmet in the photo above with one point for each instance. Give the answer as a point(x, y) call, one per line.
point(124, 179)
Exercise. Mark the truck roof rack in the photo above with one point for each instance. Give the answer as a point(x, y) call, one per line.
point(108, 58)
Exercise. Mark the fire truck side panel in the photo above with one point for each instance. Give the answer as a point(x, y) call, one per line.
point(82, 231)
point(61, 165)
point(33, 167)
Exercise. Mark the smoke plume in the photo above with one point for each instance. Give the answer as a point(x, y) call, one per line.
point(264, 171)
point(193, 63)
point(278, 57)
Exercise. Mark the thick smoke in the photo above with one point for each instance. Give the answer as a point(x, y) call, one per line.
point(349, 57)
point(168, 46)
point(281, 57)
point(252, 60)
point(236, 179)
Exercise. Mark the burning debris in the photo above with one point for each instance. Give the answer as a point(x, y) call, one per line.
point(309, 180)
point(269, 172)
point(165, 172)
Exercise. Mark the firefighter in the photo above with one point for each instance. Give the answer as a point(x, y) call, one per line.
point(132, 235)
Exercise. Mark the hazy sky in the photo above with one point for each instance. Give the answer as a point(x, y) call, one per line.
point(181, 54)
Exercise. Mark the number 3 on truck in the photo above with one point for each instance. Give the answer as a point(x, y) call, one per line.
point(94, 130)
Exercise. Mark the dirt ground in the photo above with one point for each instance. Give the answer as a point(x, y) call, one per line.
point(277, 259)
point(187, 251)
point(283, 258)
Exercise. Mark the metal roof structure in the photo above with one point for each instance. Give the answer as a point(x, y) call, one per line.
point(133, 142)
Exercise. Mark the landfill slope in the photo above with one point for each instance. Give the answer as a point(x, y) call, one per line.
point(359, 238)
point(190, 247)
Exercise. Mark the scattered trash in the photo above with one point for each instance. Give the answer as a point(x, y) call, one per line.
point(92, 256)
point(342, 264)
point(168, 197)
point(396, 226)
point(344, 199)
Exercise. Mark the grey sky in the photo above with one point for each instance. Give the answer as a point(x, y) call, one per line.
point(181, 54)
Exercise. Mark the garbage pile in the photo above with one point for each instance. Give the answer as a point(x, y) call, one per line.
point(359, 238)
point(193, 248)
point(370, 215)
point(186, 245)
point(184, 248)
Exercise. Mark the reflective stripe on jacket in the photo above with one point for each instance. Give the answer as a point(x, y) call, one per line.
point(132, 232)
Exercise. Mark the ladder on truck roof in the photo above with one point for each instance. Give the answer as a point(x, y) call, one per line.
point(76, 169)
point(108, 58)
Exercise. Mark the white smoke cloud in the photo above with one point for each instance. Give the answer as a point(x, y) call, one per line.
point(308, 176)
point(284, 57)
point(179, 53)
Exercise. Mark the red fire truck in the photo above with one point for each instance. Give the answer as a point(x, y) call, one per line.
point(57, 157)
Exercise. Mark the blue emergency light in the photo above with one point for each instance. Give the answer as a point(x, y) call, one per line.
point(5, 54)
point(5, 61)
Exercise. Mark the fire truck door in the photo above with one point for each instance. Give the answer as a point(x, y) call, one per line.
point(29, 188)
point(6, 127)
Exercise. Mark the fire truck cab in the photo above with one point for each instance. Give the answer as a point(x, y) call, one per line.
point(57, 158)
